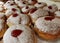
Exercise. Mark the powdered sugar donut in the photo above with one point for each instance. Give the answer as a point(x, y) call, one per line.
point(3, 26)
point(10, 4)
point(11, 11)
point(36, 13)
point(18, 19)
point(19, 34)
point(20, 3)
point(40, 5)
point(48, 27)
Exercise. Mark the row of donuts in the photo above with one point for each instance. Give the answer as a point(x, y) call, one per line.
point(35, 14)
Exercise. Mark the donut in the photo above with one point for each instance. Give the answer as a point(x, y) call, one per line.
point(18, 19)
point(36, 13)
point(19, 34)
point(40, 5)
point(48, 27)
point(3, 25)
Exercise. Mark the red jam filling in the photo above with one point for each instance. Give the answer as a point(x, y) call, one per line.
point(49, 18)
point(39, 3)
point(27, 7)
point(16, 33)
point(50, 7)
point(15, 15)
point(13, 9)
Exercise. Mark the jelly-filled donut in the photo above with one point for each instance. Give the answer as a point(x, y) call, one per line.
point(18, 19)
point(19, 34)
point(48, 27)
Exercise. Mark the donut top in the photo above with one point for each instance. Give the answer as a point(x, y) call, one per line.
point(51, 8)
point(20, 3)
point(40, 4)
point(48, 24)
point(19, 34)
point(57, 13)
point(38, 13)
point(11, 11)
point(10, 4)
point(18, 19)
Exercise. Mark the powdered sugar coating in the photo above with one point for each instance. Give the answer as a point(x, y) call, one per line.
point(40, 4)
point(10, 4)
point(57, 13)
point(47, 26)
point(38, 13)
point(1, 3)
point(10, 11)
point(27, 36)
point(51, 8)
point(1, 6)
point(31, 6)
point(20, 3)
point(25, 9)
point(2, 15)
point(20, 19)
point(32, 2)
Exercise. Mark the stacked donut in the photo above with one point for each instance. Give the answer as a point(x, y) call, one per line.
point(21, 20)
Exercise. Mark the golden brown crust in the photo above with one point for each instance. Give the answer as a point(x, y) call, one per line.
point(3, 31)
point(45, 35)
